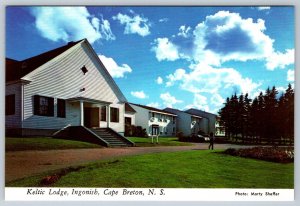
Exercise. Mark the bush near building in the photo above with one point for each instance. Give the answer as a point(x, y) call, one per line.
point(135, 131)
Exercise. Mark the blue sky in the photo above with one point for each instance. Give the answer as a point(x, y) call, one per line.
point(178, 57)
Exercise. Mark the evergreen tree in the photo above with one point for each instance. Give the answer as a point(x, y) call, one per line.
point(247, 120)
point(241, 115)
point(289, 110)
point(267, 117)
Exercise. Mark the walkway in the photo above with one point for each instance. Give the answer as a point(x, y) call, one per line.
point(27, 163)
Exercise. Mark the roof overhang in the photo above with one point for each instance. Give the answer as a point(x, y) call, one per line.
point(22, 81)
point(88, 100)
point(154, 111)
point(196, 116)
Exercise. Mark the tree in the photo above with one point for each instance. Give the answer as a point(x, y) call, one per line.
point(267, 117)
point(289, 110)
point(247, 115)
point(241, 115)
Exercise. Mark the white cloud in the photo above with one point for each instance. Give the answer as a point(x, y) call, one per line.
point(70, 23)
point(263, 8)
point(139, 94)
point(199, 102)
point(223, 37)
point(204, 78)
point(163, 20)
point(184, 31)
point(280, 60)
point(113, 68)
point(134, 25)
point(226, 36)
point(159, 80)
point(165, 50)
point(179, 74)
point(217, 100)
point(154, 104)
point(169, 100)
point(291, 75)
point(280, 90)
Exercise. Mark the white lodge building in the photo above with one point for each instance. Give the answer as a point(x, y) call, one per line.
point(65, 87)
point(155, 121)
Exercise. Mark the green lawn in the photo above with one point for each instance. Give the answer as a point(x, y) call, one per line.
point(189, 169)
point(44, 143)
point(162, 141)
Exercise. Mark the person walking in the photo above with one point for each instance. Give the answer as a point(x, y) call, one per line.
point(211, 141)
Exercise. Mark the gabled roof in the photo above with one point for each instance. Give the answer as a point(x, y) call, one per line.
point(198, 112)
point(18, 69)
point(129, 108)
point(168, 109)
point(154, 109)
point(15, 70)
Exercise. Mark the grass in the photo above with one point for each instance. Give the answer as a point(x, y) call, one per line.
point(44, 143)
point(162, 141)
point(189, 169)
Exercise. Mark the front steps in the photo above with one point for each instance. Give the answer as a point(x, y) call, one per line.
point(113, 138)
point(103, 136)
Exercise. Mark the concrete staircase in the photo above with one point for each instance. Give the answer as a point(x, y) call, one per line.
point(113, 138)
point(103, 136)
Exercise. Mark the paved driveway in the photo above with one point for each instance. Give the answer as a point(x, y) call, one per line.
point(27, 163)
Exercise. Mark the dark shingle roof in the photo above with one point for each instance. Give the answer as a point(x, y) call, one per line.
point(168, 109)
point(198, 112)
point(128, 108)
point(177, 110)
point(17, 69)
point(154, 109)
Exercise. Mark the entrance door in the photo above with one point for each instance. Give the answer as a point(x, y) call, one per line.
point(91, 117)
point(155, 129)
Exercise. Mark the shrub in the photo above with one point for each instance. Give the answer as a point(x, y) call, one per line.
point(135, 131)
point(272, 154)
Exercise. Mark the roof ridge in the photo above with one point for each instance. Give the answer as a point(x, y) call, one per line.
point(69, 45)
point(24, 67)
point(152, 108)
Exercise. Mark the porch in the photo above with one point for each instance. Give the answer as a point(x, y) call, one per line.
point(93, 113)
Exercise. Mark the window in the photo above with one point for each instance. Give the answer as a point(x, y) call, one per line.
point(43, 106)
point(174, 120)
point(127, 121)
point(61, 108)
point(84, 70)
point(114, 114)
point(103, 113)
point(10, 104)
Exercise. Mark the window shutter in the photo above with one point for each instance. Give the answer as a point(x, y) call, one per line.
point(36, 105)
point(51, 106)
point(117, 117)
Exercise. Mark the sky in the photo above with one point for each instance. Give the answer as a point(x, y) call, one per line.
point(179, 57)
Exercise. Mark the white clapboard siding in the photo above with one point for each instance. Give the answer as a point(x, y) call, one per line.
point(142, 118)
point(14, 121)
point(184, 121)
point(62, 78)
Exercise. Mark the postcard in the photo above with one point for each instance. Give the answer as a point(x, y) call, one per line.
point(149, 103)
